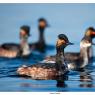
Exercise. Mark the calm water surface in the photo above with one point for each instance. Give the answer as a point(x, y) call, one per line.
point(71, 19)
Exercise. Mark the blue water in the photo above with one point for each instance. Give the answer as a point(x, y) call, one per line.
point(70, 19)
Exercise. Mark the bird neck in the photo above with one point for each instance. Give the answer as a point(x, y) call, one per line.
point(41, 36)
point(85, 51)
point(60, 55)
point(24, 46)
point(23, 41)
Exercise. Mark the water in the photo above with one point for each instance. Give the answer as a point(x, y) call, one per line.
point(71, 19)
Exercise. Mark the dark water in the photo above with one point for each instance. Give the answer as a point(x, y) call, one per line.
point(70, 19)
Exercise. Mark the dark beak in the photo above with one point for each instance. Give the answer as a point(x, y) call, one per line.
point(69, 43)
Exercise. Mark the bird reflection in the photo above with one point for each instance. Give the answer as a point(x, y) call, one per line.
point(86, 79)
point(61, 81)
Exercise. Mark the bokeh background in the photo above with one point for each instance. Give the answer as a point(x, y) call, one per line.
point(70, 19)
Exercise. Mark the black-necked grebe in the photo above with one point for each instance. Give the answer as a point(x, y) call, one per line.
point(78, 60)
point(14, 50)
point(48, 70)
point(41, 44)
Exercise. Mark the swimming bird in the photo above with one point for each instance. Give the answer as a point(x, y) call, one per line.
point(10, 50)
point(49, 70)
point(41, 44)
point(81, 59)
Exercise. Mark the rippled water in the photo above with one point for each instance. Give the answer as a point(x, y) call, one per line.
point(71, 19)
point(83, 80)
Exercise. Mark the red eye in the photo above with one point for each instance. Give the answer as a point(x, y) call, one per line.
point(93, 33)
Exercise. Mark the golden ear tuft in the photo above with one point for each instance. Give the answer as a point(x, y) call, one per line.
point(42, 24)
point(60, 42)
point(22, 33)
point(88, 33)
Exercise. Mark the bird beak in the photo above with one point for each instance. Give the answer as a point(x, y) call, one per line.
point(69, 43)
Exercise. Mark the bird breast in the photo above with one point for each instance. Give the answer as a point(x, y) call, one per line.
point(84, 44)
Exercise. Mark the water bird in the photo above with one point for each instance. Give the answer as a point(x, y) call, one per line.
point(48, 70)
point(81, 59)
point(10, 50)
point(40, 45)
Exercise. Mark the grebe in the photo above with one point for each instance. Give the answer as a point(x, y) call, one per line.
point(48, 70)
point(41, 44)
point(78, 60)
point(11, 50)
